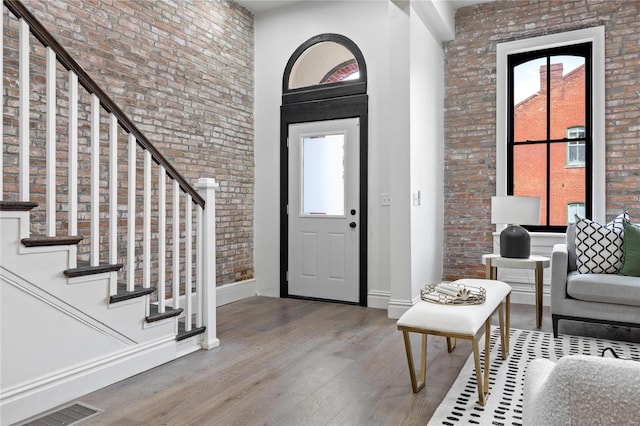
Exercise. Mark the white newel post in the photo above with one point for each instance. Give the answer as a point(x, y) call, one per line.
point(207, 189)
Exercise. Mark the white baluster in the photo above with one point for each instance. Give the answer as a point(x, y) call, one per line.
point(188, 263)
point(51, 143)
point(95, 179)
point(131, 220)
point(176, 245)
point(199, 229)
point(146, 222)
point(2, 111)
point(162, 237)
point(113, 190)
point(73, 154)
point(23, 118)
point(113, 198)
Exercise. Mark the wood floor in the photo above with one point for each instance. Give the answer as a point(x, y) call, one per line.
point(296, 362)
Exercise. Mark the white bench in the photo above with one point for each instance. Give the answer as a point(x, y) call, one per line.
point(459, 321)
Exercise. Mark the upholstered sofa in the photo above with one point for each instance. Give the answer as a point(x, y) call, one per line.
point(592, 297)
point(582, 390)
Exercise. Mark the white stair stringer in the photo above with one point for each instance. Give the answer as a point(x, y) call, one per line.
point(89, 294)
point(60, 337)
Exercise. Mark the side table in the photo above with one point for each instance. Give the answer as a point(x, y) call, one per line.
point(537, 263)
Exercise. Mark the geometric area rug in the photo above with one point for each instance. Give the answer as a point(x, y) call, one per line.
point(506, 377)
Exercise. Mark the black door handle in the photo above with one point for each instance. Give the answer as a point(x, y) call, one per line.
point(352, 225)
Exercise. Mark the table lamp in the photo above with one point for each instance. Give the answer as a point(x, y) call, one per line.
point(514, 211)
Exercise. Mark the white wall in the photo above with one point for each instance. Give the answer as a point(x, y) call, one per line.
point(380, 29)
point(427, 155)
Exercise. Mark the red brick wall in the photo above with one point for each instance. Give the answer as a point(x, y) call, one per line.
point(183, 72)
point(470, 109)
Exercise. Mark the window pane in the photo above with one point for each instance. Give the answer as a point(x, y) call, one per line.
point(567, 94)
point(576, 151)
point(530, 174)
point(530, 109)
point(567, 186)
point(323, 175)
point(573, 210)
point(322, 63)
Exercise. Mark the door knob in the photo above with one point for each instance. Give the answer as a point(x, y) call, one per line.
point(352, 225)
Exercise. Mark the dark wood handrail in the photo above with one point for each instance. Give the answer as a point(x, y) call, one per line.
point(45, 37)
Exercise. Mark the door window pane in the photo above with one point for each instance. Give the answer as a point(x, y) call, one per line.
point(323, 175)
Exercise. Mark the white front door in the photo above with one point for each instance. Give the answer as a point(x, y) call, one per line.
point(324, 210)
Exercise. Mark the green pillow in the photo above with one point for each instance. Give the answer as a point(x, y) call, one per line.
point(631, 265)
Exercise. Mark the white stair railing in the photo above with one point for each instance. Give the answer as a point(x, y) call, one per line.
point(157, 253)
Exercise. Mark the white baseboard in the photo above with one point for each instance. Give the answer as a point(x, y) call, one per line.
point(398, 307)
point(30, 399)
point(233, 292)
point(378, 299)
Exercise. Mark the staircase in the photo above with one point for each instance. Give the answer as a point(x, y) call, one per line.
point(107, 254)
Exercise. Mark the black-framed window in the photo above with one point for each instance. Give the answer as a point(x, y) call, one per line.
point(325, 66)
point(549, 128)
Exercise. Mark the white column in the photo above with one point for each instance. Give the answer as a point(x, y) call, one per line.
point(399, 124)
point(207, 189)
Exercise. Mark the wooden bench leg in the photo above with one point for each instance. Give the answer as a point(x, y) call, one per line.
point(503, 341)
point(451, 344)
point(416, 385)
point(482, 378)
point(487, 353)
point(476, 362)
point(508, 321)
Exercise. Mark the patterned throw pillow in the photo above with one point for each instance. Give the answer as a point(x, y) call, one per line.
point(599, 248)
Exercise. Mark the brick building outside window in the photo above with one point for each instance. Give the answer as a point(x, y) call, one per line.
point(566, 120)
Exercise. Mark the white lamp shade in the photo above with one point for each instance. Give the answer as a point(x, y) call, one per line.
point(515, 210)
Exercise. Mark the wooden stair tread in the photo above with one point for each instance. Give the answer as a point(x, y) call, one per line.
point(86, 269)
point(17, 206)
point(44, 241)
point(169, 312)
point(182, 334)
point(123, 294)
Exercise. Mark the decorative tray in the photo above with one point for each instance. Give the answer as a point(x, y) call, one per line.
point(453, 294)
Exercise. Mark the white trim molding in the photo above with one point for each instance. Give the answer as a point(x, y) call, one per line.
point(233, 292)
point(378, 299)
point(398, 307)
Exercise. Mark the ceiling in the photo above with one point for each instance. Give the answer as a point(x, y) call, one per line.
point(260, 6)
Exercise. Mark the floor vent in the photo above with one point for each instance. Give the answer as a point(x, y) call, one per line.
point(69, 415)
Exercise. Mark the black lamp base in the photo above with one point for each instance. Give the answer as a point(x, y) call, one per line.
point(515, 242)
